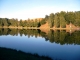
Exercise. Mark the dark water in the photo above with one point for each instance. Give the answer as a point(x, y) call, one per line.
point(55, 44)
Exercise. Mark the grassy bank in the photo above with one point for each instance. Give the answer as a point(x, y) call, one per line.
point(10, 54)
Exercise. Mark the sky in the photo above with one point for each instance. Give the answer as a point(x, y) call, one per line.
point(24, 9)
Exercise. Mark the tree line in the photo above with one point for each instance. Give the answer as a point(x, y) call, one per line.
point(23, 23)
point(59, 19)
point(62, 18)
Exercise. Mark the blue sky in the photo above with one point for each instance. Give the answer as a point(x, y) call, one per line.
point(24, 9)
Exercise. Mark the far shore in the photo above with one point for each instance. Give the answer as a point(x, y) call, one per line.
point(77, 28)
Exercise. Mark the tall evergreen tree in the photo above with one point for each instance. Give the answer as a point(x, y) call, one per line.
point(56, 21)
point(51, 20)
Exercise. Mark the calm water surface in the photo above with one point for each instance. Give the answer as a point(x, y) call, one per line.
point(55, 44)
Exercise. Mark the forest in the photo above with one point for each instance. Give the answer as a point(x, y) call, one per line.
point(59, 19)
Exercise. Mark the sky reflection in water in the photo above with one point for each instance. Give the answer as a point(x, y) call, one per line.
point(40, 46)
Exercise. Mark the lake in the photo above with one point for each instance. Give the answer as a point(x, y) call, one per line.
point(57, 44)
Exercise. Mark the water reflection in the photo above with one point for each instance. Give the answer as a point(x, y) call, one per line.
point(57, 44)
point(57, 36)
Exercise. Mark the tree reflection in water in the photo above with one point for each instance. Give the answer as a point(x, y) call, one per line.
point(57, 36)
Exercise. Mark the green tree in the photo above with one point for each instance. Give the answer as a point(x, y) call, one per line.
point(21, 23)
point(77, 18)
point(0, 21)
point(51, 20)
point(4, 21)
point(62, 21)
point(70, 17)
point(36, 23)
point(42, 21)
point(28, 23)
point(13, 22)
point(56, 21)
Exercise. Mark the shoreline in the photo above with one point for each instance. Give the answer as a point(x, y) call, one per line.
point(77, 28)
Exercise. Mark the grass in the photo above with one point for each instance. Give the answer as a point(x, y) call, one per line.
point(11, 54)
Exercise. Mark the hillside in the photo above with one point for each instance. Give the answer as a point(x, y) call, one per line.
point(59, 20)
point(44, 27)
